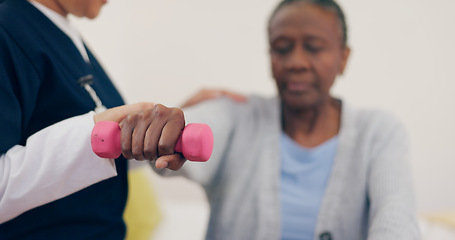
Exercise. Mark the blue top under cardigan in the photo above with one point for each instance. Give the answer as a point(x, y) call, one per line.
point(303, 181)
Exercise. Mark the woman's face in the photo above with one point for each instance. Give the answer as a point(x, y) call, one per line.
point(306, 53)
point(84, 8)
point(79, 8)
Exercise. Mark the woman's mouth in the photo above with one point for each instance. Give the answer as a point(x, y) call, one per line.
point(298, 86)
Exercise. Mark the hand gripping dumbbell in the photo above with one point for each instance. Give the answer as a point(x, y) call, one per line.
point(195, 141)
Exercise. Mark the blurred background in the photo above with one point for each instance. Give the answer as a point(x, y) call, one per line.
point(402, 61)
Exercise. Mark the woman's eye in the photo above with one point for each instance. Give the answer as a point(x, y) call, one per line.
point(282, 48)
point(313, 48)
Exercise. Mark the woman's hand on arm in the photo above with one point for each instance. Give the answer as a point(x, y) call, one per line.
point(209, 94)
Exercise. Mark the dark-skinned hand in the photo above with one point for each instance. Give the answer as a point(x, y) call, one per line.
point(152, 134)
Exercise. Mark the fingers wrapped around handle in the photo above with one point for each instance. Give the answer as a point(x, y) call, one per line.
point(152, 134)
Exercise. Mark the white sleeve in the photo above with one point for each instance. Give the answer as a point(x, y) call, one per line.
point(56, 162)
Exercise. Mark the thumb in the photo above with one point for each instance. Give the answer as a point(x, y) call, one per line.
point(117, 114)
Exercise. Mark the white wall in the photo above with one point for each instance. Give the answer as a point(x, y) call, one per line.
point(402, 60)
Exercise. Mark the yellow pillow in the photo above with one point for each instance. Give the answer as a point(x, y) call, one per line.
point(141, 214)
point(446, 218)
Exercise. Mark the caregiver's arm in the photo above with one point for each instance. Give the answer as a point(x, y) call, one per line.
point(55, 162)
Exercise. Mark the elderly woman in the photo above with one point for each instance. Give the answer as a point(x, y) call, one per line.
point(304, 165)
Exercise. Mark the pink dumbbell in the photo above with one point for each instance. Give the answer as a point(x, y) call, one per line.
point(195, 141)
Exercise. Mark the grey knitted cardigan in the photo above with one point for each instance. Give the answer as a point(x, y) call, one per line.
point(369, 193)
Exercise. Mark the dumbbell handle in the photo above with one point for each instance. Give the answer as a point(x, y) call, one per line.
point(195, 141)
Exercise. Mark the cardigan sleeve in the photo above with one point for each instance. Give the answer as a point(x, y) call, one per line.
point(390, 189)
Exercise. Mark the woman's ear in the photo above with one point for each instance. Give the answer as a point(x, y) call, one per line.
point(344, 59)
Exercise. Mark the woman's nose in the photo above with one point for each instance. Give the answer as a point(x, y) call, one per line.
point(298, 60)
